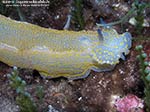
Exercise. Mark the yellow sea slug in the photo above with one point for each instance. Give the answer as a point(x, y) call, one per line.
point(58, 53)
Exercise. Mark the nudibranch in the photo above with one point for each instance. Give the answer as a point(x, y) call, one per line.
point(56, 53)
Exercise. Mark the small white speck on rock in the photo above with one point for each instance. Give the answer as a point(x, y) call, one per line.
point(121, 72)
point(57, 17)
point(43, 18)
point(80, 98)
point(113, 99)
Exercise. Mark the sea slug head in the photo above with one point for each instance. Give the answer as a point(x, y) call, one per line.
point(113, 47)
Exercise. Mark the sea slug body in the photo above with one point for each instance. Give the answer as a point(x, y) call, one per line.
point(56, 53)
